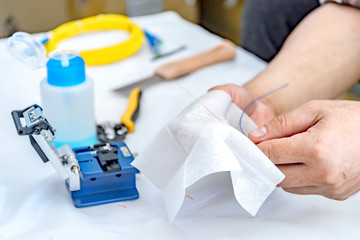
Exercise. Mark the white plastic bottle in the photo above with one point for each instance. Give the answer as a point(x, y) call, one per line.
point(67, 98)
point(67, 95)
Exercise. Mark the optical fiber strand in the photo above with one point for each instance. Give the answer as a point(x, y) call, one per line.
point(258, 98)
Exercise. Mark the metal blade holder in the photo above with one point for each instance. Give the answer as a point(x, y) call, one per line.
point(32, 123)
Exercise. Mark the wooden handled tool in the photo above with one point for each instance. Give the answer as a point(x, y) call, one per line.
point(224, 52)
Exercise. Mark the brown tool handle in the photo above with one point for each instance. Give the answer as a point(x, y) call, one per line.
point(224, 52)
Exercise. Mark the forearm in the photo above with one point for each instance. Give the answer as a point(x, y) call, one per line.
point(320, 59)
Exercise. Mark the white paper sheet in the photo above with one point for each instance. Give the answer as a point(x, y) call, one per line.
point(204, 139)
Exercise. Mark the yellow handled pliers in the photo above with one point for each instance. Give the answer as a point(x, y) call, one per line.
point(111, 132)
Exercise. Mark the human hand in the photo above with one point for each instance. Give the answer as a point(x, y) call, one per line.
point(259, 112)
point(317, 147)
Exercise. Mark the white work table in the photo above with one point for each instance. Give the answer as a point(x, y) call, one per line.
point(34, 203)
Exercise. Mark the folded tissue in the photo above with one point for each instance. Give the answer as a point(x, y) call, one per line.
point(205, 139)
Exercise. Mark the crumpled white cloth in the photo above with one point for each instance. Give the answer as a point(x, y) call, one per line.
point(205, 139)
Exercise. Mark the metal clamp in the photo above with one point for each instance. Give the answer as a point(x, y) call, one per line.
point(41, 135)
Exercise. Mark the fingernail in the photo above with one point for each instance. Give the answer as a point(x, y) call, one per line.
point(260, 132)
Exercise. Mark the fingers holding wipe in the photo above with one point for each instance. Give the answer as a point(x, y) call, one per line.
point(297, 175)
point(292, 156)
point(287, 143)
point(296, 121)
point(303, 190)
point(289, 150)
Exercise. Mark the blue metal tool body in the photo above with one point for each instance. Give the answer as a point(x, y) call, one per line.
point(105, 184)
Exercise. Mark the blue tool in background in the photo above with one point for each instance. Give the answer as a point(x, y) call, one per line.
point(155, 44)
point(94, 174)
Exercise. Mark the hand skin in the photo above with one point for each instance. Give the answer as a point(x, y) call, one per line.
point(259, 112)
point(317, 147)
point(319, 60)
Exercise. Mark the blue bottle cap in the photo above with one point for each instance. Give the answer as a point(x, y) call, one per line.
point(65, 69)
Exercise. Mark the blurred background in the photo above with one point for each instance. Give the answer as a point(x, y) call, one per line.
point(221, 17)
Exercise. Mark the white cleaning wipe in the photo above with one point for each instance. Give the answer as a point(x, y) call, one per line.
point(205, 139)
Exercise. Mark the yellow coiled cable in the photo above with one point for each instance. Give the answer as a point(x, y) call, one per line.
point(103, 55)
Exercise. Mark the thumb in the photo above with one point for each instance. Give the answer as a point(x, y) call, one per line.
point(296, 121)
point(239, 95)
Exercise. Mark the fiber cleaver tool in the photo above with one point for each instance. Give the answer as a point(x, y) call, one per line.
point(224, 52)
point(94, 175)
